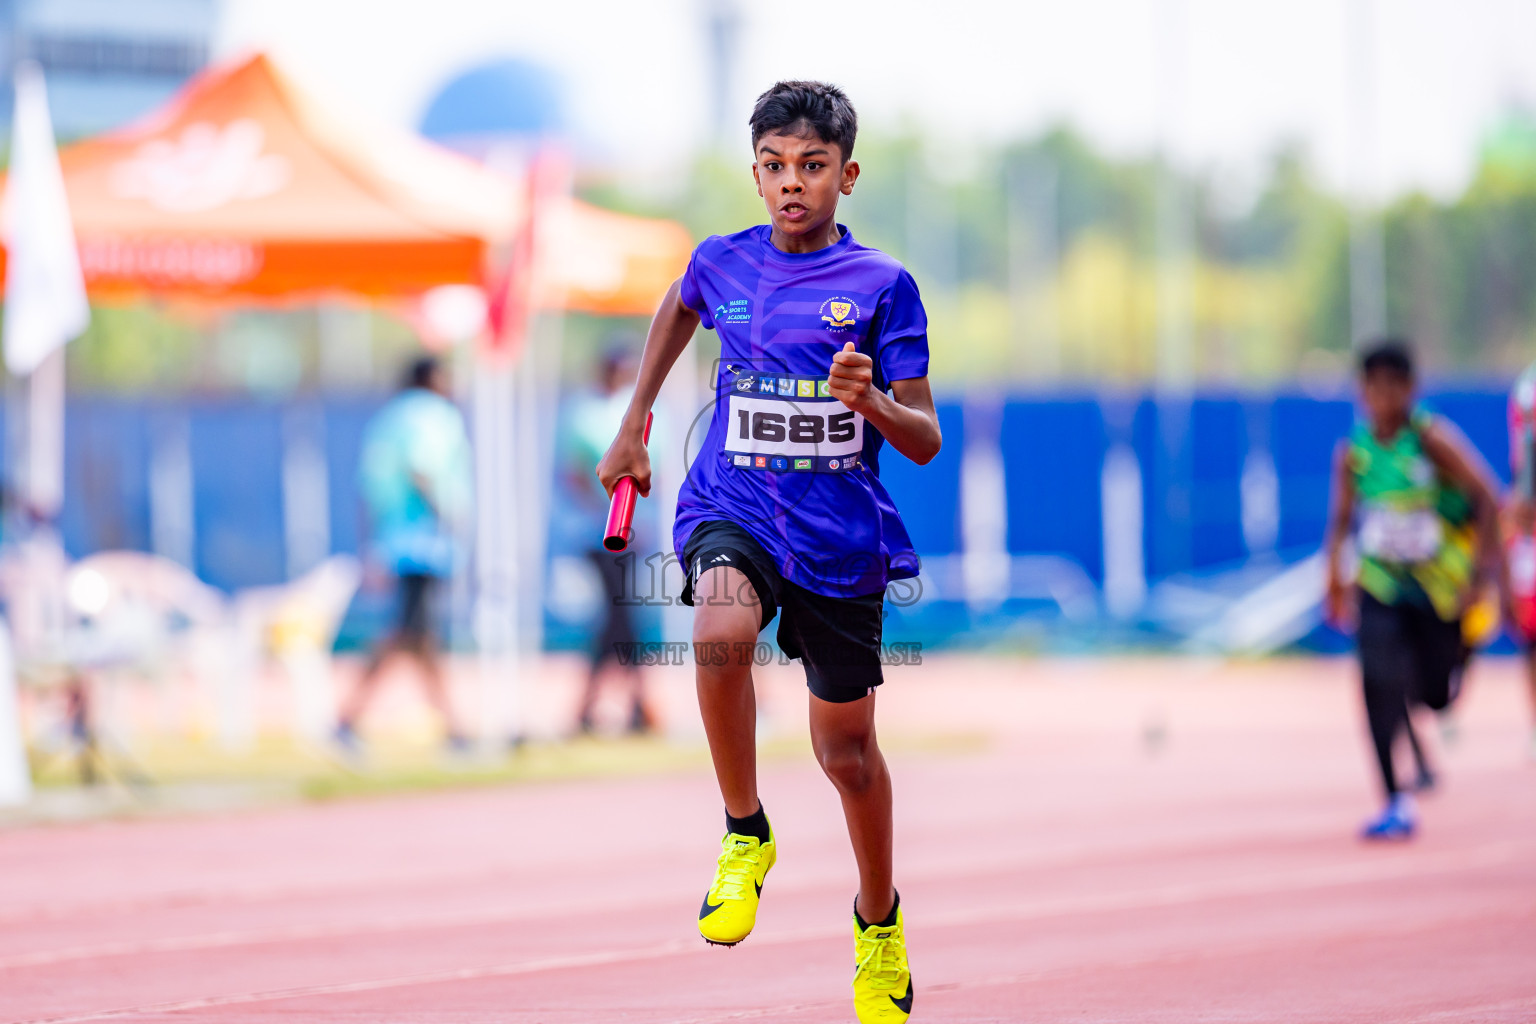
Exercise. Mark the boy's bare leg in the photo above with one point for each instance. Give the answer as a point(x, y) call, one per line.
point(723, 628)
point(843, 736)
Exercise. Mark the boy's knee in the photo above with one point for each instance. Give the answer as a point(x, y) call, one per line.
point(849, 766)
point(720, 630)
point(722, 640)
point(721, 620)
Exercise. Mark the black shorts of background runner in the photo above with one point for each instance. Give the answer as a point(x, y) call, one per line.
point(616, 628)
point(416, 612)
point(1408, 655)
point(837, 639)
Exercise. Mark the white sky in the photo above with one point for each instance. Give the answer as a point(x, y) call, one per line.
point(1229, 79)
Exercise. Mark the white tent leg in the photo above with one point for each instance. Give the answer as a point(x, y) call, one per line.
point(497, 522)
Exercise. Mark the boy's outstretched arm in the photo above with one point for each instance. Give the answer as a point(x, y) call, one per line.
point(670, 332)
point(905, 417)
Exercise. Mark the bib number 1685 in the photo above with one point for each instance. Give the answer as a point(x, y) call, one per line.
point(775, 428)
point(797, 428)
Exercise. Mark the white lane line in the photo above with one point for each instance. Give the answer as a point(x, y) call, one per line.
point(304, 933)
point(1481, 1012)
point(1323, 876)
point(554, 963)
point(1320, 875)
point(1229, 951)
point(1042, 855)
point(1277, 883)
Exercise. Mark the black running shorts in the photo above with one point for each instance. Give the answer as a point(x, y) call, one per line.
point(837, 639)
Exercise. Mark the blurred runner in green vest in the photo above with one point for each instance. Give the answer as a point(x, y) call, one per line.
point(1422, 507)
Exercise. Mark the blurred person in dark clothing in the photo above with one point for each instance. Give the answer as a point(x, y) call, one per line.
point(1422, 507)
point(593, 419)
point(416, 480)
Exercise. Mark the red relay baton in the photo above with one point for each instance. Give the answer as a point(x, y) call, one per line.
point(621, 513)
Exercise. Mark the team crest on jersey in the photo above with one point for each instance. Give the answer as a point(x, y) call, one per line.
point(840, 313)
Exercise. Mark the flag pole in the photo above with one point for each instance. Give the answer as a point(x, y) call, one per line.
point(45, 307)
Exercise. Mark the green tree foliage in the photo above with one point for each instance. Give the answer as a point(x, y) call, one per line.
point(1039, 262)
point(1039, 259)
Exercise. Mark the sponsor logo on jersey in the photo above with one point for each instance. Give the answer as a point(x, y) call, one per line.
point(802, 463)
point(850, 461)
point(767, 385)
point(786, 386)
point(743, 460)
point(762, 462)
point(839, 313)
point(823, 389)
point(778, 462)
point(807, 388)
point(744, 383)
point(832, 463)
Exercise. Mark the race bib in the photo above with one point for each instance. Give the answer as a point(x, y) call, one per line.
point(791, 424)
point(1400, 535)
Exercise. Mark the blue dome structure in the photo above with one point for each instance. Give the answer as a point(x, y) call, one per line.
point(503, 99)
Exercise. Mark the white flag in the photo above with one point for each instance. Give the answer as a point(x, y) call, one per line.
point(45, 302)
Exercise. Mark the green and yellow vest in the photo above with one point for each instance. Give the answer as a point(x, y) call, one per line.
point(1415, 533)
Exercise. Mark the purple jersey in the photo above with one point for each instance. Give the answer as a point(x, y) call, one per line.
point(784, 458)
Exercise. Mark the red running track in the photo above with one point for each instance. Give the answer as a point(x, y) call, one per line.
point(1115, 841)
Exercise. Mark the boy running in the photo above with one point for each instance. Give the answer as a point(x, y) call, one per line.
point(1427, 519)
point(823, 358)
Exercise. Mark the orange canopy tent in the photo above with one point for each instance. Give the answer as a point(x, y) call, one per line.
point(243, 188)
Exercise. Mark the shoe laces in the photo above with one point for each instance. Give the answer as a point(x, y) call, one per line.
point(880, 959)
point(736, 869)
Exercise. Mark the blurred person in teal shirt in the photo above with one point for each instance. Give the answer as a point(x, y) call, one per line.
point(415, 476)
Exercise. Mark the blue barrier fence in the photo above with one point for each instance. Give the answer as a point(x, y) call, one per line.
point(1052, 450)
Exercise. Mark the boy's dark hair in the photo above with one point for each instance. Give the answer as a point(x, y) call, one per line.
point(420, 373)
point(806, 108)
point(1387, 355)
